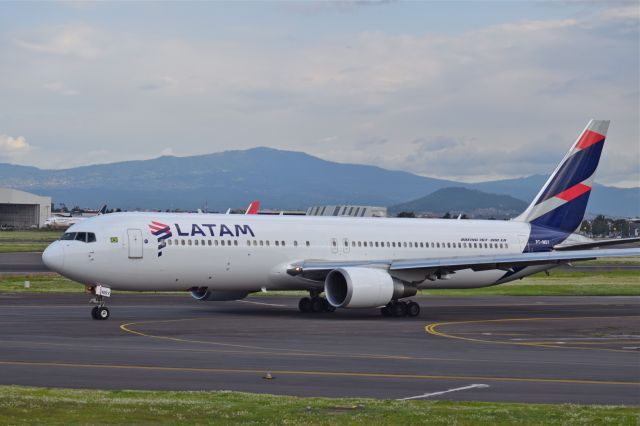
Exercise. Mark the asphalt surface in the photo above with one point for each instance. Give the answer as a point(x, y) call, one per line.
point(22, 263)
point(518, 349)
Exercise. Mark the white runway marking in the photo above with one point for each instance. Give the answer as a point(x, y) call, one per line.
point(261, 303)
point(427, 395)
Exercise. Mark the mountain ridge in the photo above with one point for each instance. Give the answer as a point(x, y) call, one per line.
point(279, 178)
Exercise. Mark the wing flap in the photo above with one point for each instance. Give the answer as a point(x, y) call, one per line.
point(318, 269)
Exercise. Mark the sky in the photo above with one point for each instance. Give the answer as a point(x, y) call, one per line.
point(470, 91)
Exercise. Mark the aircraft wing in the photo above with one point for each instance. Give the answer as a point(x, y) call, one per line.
point(597, 243)
point(318, 270)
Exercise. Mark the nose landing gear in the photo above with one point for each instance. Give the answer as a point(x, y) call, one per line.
point(100, 311)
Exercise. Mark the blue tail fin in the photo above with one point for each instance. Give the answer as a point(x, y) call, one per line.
point(562, 201)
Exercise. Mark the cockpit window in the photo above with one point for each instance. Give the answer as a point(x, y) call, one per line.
point(85, 237)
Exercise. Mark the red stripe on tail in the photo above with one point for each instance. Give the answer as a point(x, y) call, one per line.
point(589, 138)
point(573, 192)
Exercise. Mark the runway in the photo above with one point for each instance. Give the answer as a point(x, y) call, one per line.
point(516, 349)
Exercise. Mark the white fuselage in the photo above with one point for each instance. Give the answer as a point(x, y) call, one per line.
point(250, 253)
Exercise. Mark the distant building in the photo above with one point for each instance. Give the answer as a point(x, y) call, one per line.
point(347, 210)
point(19, 209)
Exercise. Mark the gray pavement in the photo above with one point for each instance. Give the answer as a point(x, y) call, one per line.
point(525, 349)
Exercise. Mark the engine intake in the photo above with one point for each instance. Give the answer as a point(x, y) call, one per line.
point(363, 288)
point(203, 293)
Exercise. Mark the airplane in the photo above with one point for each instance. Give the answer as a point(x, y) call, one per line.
point(355, 262)
point(58, 221)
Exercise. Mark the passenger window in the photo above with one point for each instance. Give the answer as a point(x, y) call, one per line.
point(506, 245)
point(295, 244)
point(365, 243)
point(376, 244)
point(438, 245)
point(91, 237)
point(404, 244)
point(196, 242)
point(235, 243)
point(169, 242)
point(410, 244)
point(277, 243)
point(189, 242)
point(261, 243)
point(267, 243)
point(282, 243)
point(500, 245)
point(202, 242)
point(182, 242)
point(249, 243)
point(432, 245)
point(485, 245)
point(388, 244)
point(308, 244)
point(421, 245)
point(353, 243)
point(255, 243)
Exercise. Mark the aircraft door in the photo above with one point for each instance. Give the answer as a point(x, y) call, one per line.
point(135, 243)
point(523, 240)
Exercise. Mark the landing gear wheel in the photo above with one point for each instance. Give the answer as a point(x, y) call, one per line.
point(103, 312)
point(386, 311)
point(327, 307)
point(317, 304)
point(94, 313)
point(305, 304)
point(413, 309)
point(399, 309)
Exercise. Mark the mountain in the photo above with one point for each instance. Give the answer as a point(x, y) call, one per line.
point(279, 179)
point(456, 200)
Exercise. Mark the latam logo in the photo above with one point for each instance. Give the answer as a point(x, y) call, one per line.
point(162, 232)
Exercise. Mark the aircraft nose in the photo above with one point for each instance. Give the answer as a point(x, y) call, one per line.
point(53, 257)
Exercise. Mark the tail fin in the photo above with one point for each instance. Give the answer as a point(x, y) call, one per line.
point(562, 201)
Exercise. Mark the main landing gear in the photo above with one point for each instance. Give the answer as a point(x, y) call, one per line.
point(100, 311)
point(315, 304)
point(397, 308)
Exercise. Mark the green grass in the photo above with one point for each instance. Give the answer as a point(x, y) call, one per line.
point(21, 241)
point(612, 261)
point(560, 283)
point(43, 235)
point(14, 247)
point(27, 405)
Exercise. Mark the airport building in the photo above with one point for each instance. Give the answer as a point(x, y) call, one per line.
point(19, 209)
point(347, 210)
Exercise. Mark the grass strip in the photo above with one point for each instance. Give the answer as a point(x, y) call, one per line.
point(28, 405)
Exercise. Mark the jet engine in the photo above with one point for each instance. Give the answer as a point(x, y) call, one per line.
point(203, 293)
point(359, 287)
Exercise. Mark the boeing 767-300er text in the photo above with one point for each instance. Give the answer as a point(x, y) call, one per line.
point(356, 262)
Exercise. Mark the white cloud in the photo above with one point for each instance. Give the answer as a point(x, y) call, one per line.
point(75, 41)
point(13, 147)
point(501, 101)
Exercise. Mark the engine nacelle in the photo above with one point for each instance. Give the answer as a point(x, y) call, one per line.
point(203, 293)
point(363, 288)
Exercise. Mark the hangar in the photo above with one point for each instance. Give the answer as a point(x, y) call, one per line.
point(19, 209)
